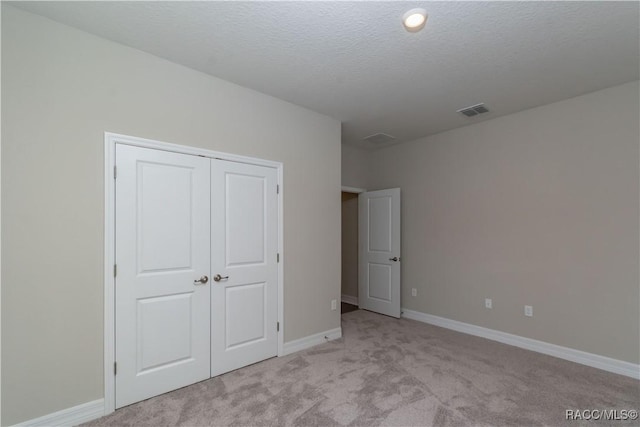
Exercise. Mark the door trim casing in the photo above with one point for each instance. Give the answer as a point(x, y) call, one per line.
point(110, 141)
point(355, 190)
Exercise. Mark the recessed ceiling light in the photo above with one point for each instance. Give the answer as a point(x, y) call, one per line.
point(414, 20)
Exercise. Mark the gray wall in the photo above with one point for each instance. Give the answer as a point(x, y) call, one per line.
point(61, 90)
point(538, 208)
point(354, 167)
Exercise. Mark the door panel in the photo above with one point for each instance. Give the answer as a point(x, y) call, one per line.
point(164, 231)
point(174, 344)
point(379, 218)
point(379, 251)
point(244, 249)
point(245, 219)
point(379, 282)
point(251, 298)
point(162, 246)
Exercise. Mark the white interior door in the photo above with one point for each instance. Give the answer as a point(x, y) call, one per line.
point(162, 248)
point(379, 251)
point(244, 265)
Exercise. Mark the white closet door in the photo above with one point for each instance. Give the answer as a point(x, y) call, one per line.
point(162, 248)
point(244, 265)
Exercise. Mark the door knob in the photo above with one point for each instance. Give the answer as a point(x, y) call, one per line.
point(203, 280)
point(395, 259)
point(218, 277)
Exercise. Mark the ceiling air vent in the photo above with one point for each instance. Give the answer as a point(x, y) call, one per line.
point(379, 138)
point(474, 110)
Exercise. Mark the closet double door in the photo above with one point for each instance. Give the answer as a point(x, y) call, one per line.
point(196, 284)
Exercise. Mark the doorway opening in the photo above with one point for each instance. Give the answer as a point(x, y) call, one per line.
point(371, 250)
point(349, 287)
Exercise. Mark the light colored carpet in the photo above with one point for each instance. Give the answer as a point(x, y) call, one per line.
point(386, 371)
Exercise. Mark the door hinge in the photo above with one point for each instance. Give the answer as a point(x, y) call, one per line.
point(115, 270)
point(115, 368)
point(278, 257)
point(115, 172)
point(278, 189)
point(278, 326)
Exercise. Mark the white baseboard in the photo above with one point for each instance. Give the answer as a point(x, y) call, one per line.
point(69, 417)
point(349, 299)
point(311, 340)
point(594, 360)
point(93, 410)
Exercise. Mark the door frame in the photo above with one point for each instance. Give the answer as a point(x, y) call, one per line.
point(354, 190)
point(110, 142)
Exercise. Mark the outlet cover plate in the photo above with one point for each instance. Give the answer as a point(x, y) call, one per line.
point(528, 310)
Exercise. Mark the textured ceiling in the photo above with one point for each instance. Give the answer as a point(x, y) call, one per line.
point(354, 61)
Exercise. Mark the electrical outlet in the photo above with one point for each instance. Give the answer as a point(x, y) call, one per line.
point(488, 303)
point(528, 310)
point(414, 292)
point(334, 305)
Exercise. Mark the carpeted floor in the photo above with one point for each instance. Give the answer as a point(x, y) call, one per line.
point(386, 371)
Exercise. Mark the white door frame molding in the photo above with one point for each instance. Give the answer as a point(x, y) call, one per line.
point(355, 190)
point(110, 141)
